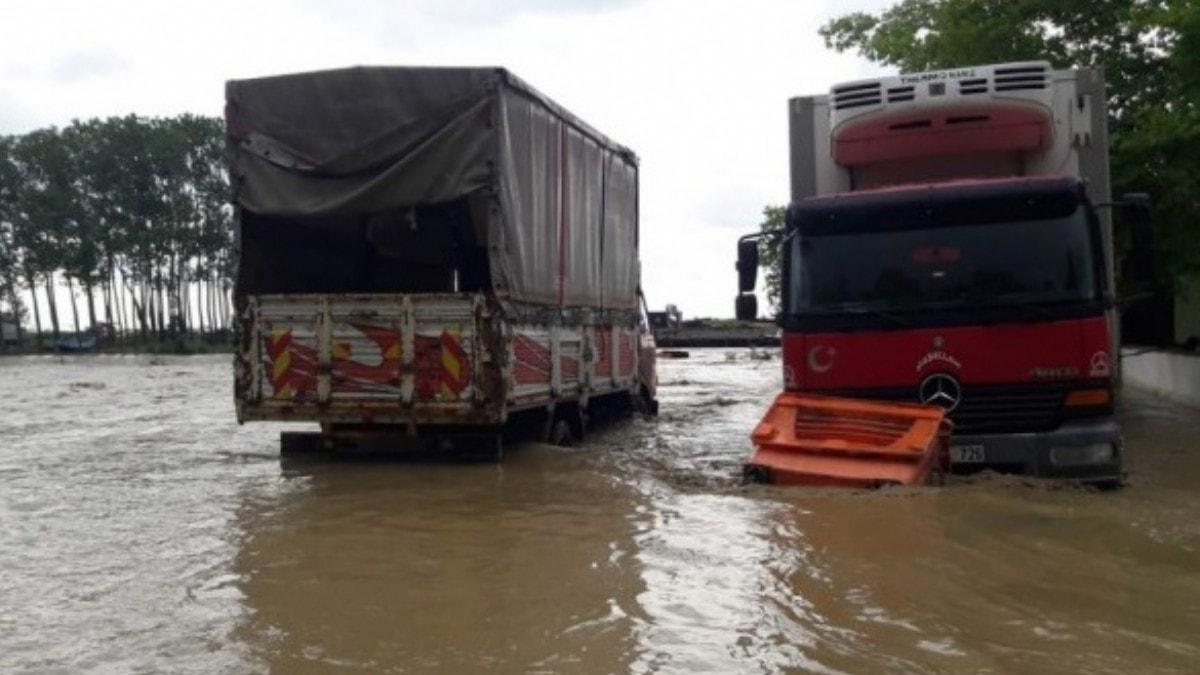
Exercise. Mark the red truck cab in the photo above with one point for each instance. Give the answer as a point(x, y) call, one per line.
point(988, 298)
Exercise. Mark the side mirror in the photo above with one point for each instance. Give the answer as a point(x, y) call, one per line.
point(1141, 262)
point(747, 307)
point(747, 265)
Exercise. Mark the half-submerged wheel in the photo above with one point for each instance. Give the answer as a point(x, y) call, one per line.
point(561, 433)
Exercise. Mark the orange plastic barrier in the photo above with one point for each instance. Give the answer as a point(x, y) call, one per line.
point(820, 440)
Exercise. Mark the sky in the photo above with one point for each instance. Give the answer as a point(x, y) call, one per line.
point(697, 89)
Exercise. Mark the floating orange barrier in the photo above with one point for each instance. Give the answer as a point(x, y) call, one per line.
point(806, 439)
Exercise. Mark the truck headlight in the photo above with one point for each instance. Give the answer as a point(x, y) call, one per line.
point(1073, 455)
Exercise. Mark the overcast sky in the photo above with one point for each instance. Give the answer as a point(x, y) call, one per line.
point(697, 89)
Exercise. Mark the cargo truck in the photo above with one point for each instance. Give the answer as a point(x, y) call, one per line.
point(425, 253)
point(949, 241)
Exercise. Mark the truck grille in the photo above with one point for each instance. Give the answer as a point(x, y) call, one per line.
point(1008, 408)
point(989, 409)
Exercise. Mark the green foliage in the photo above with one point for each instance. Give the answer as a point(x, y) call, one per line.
point(133, 208)
point(769, 254)
point(10, 257)
point(1150, 53)
point(1159, 150)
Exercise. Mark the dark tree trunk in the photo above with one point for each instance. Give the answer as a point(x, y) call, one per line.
point(223, 300)
point(106, 289)
point(118, 300)
point(74, 304)
point(52, 302)
point(89, 288)
point(112, 301)
point(146, 294)
point(37, 314)
point(14, 302)
point(139, 311)
point(200, 307)
point(210, 302)
point(159, 309)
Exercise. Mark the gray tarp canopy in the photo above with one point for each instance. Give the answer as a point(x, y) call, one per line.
point(369, 139)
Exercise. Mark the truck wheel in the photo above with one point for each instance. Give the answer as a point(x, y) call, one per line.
point(643, 404)
point(579, 425)
point(754, 474)
point(937, 476)
point(561, 434)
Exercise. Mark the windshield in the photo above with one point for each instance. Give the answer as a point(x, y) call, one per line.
point(976, 265)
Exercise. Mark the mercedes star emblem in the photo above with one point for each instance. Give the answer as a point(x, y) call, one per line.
point(940, 389)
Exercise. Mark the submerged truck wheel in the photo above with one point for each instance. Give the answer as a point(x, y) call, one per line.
point(561, 434)
point(643, 403)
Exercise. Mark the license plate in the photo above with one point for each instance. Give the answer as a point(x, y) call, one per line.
point(967, 454)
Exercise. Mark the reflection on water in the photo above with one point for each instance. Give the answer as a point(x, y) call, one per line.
point(458, 567)
point(141, 529)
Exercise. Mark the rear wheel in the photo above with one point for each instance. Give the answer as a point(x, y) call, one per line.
point(937, 476)
point(561, 434)
point(754, 474)
point(496, 444)
point(643, 403)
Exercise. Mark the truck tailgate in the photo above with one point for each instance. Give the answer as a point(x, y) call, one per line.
point(360, 357)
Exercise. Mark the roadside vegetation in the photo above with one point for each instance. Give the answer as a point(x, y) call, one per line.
point(130, 214)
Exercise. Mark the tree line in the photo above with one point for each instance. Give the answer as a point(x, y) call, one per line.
point(130, 213)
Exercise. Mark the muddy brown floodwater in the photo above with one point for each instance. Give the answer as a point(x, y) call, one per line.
point(142, 530)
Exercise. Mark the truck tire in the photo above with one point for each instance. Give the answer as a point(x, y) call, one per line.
point(644, 404)
point(561, 434)
point(755, 475)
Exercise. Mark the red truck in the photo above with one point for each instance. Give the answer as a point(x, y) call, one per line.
point(949, 242)
point(425, 254)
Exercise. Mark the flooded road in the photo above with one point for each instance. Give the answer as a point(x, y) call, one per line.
point(142, 530)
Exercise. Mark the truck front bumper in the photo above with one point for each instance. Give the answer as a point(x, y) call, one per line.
point(1086, 450)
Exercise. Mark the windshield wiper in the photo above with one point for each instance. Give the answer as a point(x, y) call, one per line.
point(894, 318)
point(1033, 307)
point(854, 310)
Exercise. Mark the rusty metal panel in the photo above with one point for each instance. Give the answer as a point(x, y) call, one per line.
point(570, 360)
point(377, 355)
point(288, 350)
point(444, 349)
point(532, 369)
point(423, 359)
point(365, 348)
point(603, 366)
point(626, 355)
